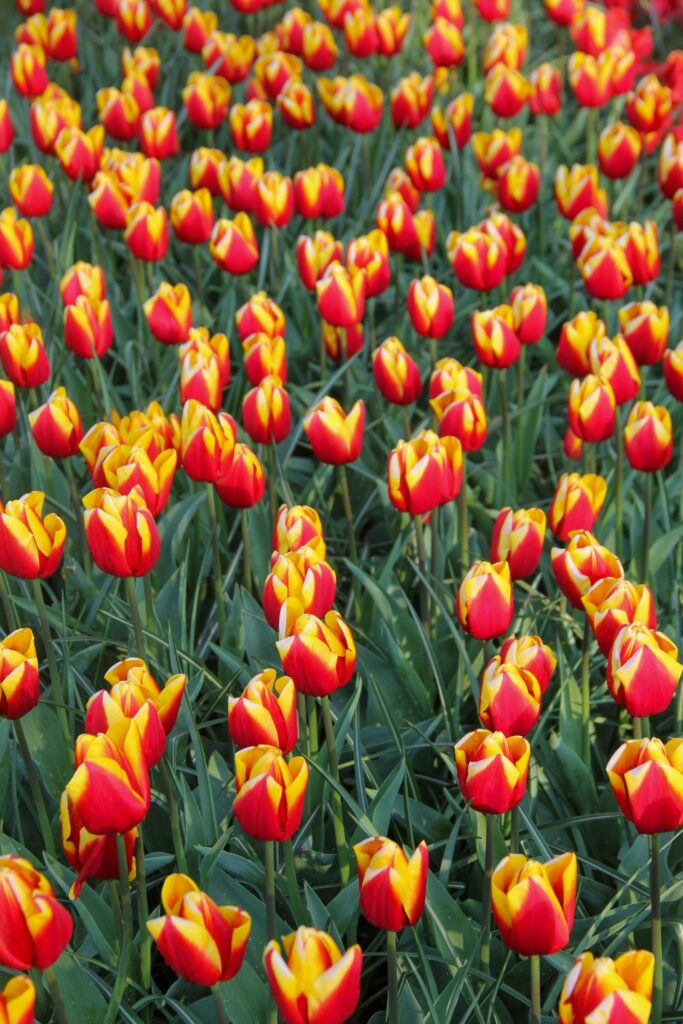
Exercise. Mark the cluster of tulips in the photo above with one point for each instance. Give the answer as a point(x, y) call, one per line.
point(253, 89)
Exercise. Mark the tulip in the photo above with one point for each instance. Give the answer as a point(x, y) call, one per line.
point(591, 408)
point(36, 928)
point(529, 312)
point(563, 12)
point(581, 564)
point(545, 90)
point(518, 540)
point(27, 66)
point(243, 483)
point(425, 165)
point(274, 200)
point(126, 467)
point(612, 361)
point(16, 240)
point(370, 254)
point(461, 414)
point(509, 237)
point(31, 546)
point(319, 192)
point(146, 232)
point(335, 436)
point(341, 342)
point(450, 375)
point(319, 46)
point(510, 698)
point(642, 670)
point(119, 113)
point(296, 106)
point(313, 982)
point(493, 334)
point(265, 713)
point(121, 532)
point(270, 792)
point(341, 296)
point(578, 189)
point(492, 770)
point(8, 407)
point(56, 426)
point(205, 164)
point(640, 243)
point(88, 329)
point(532, 655)
point(591, 78)
point(649, 105)
point(478, 260)
point(493, 150)
point(518, 184)
point(6, 127)
point(297, 527)
point(51, 112)
point(19, 680)
point(264, 356)
point(233, 244)
point(576, 338)
point(399, 181)
point(251, 125)
point(430, 306)
point(301, 575)
point(391, 25)
point(133, 675)
point(619, 148)
point(260, 314)
point(673, 371)
point(396, 373)
point(444, 43)
point(424, 472)
point(108, 201)
point(215, 347)
point(608, 990)
point(645, 328)
point(229, 56)
point(612, 603)
point(89, 855)
point(151, 429)
point(191, 215)
point(79, 153)
point(318, 653)
point(198, 939)
point(457, 118)
point(207, 99)
point(352, 102)
point(114, 761)
point(266, 413)
point(143, 60)
point(207, 442)
point(236, 182)
point(135, 87)
point(158, 133)
point(411, 99)
point(31, 190)
point(9, 311)
point(200, 380)
point(360, 33)
point(648, 437)
point(169, 313)
point(506, 90)
point(506, 45)
point(198, 25)
point(314, 255)
point(484, 603)
point(534, 903)
point(23, 355)
point(392, 886)
point(133, 19)
point(646, 779)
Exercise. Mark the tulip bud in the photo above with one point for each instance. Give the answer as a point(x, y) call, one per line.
point(300, 575)
point(619, 149)
point(237, 182)
point(643, 670)
point(450, 375)
point(341, 296)
point(591, 78)
point(313, 979)
point(640, 244)
point(274, 200)
point(133, 19)
point(579, 189)
point(396, 374)
point(335, 436)
point(478, 261)
point(612, 603)
point(506, 90)
point(204, 169)
point(360, 33)
point(529, 312)
point(319, 654)
point(509, 698)
point(251, 125)
point(242, 483)
point(207, 99)
point(493, 150)
point(8, 407)
point(233, 244)
point(444, 43)
point(56, 426)
point(260, 315)
point(646, 777)
point(518, 184)
point(392, 887)
point(391, 25)
point(492, 770)
point(649, 105)
point(88, 329)
point(19, 680)
point(411, 99)
point(645, 328)
point(611, 990)
point(270, 792)
point(425, 165)
point(26, 899)
point(264, 356)
point(121, 533)
point(461, 414)
point(612, 361)
point(545, 90)
point(509, 237)
point(206, 442)
point(484, 603)
point(169, 313)
point(146, 232)
point(297, 527)
point(430, 306)
point(591, 408)
point(673, 371)
point(314, 255)
point(534, 903)
point(493, 334)
point(16, 240)
point(27, 66)
point(265, 713)
point(23, 355)
point(424, 472)
point(119, 113)
point(670, 166)
point(518, 540)
point(91, 856)
point(648, 437)
point(192, 215)
point(198, 25)
point(455, 123)
point(31, 190)
point(532, 655)
point(79, 153)
point(266, 413)
point(581, 564)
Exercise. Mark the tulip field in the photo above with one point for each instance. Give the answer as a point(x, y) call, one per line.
point(341, 512)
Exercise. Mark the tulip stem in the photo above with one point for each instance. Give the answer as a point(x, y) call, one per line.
point(619, 486)
point(270, 477)
point(56, 995)
point(406, 422)
point(422, 562)
point(436, 515)
point(7, 609)
point(348, 514)
point(55, 678)
point(646, 527)
point(463, 526)
point(78, 515)
point(535, 970)
point(246, 550)
point(520, 376)
point(135, 616)
point(339, 833)
point(486, 895)
point(585, 693)
point(506, 473)
point(655, 901)
point(143, 912)
point(591, 134)
point(295, 900)
point(34, 786)
point(173, 816)
point(671, 265)
point(514, 830)
point(216, 552)
point(269, 867)
point(392, 979)
point(127, 936)
point(218, 1000)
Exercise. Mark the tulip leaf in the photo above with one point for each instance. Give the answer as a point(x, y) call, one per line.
point(383, 805)
point(83, 1001)
point(51, 759)
point(578, 781)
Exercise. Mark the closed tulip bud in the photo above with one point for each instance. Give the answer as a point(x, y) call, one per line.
point(198, 939)
point(649, 105)
point(313, 981)
point(48, 114)
point(509, 237)
point(169, 313)
point(260, 315)
point(640, 243)
point(265, 713)
point(314, 254)
point(133, 19)
point(582, 564)
point(611, 604)
point(192, 215)
point(645, 328)
point(233, 244)
point(251, 125)
point(296, 106)
point(23, 355)
point(319, 47)
point(425, 164)
point(108, 201)
point(518, 540)
point(424, 472)
point(16, 240)
point(119, 113)
point(591, 78)
point(455, 122)
point(6, 127)
point(576, 504)
point(619, 149)
point(215, 346)
point(673, 371)
point(341, 296)
point(493, 334)
point(493, 150)
point(79, 153)
point(411, 99)
point(592, 408)
point(121, 532)
point(335, 436)
point(391, 25)
point(370, 254)
point(266, 412)
point(450, 375)
point(243, 483)
point(198, 25)
point(508, 45)
point(27, 66)
point(31, 190)
point(392, 886)
point(206, 99)
point(8, 407)
point(237, 181)
point(274, 199)
point(643, 670)
point(532, 655)
point(518, 184)
point(534, 903)
point(613, 991)
point(545, 90)
point(129, 466)
point(461, 414)
point(478, 260)
point(396, 373)
point(297, 527)
point(430, 306)
point(605, 269)
point(670, 166)
point(171, 12)
point(229, 56)
point(505, 90)
point(509, 698)
point(33, 32)
point(19, 680)
point(444, 43)
point(484, 602)
point(90, 855)
point(301, 575)
point(395, 219)
point(648, 437)
point(144, 60)
point(399, 181)
point(578, 189)
point(263, 357)
point(37, 927)
point(492, 770)
point(88, 329)
point(62, 38)
point(576, 338)
point(146, 232)
point(205, 166)
point(353, 102)
point(612, 360)
point(56, 426)
point(136, 87)
point(290, 29)
point(158, 133)
point(206, 442)
point(200, 379)
point(529, 312)
point(646, 777)
point(270, 792)
point(312, 188)
point(360, 32)
point(318, 653)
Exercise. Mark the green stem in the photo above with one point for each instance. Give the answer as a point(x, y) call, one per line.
point(127, 939)
point(269, 857)
point(619, 487)
point(585, 693)
point(216, 992)
point(655, 901)
point(55, 995)
point(646, 528)
point(7, 609)
point(216, 553)
point(520, 377)
point(270, 477)
point(303, 725)
point(132, 599)
point(348, 513)
point(55, 678)
point(637, 728)
point(506, 474)
point(406, 422)
point(295, 901)
point(591, 134)
point(671, 264)
point(339, 833)
point(463, 525)
point(313, 739)
point(514, 830)
point(34, 786)
point(392, 979)
point(246, 550)
point(486, 895)
point(78, 515)
point(422, 562)
point(174, 818)
point(143, 912)
point(535, 969)
point(436, 516)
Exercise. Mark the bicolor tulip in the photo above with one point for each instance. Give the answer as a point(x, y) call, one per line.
point(27, 67)
point(88, 326)
point(8, 407)
point(79, 152)
point(425, 164)
point(591, 408)
point(411, 99)
point(205, 167)
point(198, 24)
point(455, 122)
point(297, 527)
point(206, 99)
point(673, 371)
point(341, 342)
point(112, 762)
point(648, 437)
point(430, 307)
point(319, 192)
point(518, 540)
point(581, 564)
point(612, 603)
point(319, 46)
point(266, 413)
point(619, 148)
point(251, 125)
point(506, 90)
point(19, 679)
point(484, 603)
point(242, 482)
point(336, 437)
point(36, 928)
point(450, 375)
point(91, 856)
point(478, 260)
point(509, 698)
point(56, 426)
point(391, 24)
point(424, 472)
point(191, 215)
point(314, 253)
point(16, 240)
point(129, 466)
point(576, 503)
point(611, 991)
point(313, 982)
point(9, 311)
point(370, 254)
point(576, 337)
point(579, 189)
point(508, 235)
point(492, 150)
point(6, 127)
point(133, 684)
point(18, 1000)
point(518, 184)
point(534, 903)
point(670, 166)
point(207, 442)
point(341, 296)
point(645, 328)
point(493, 334)
point(461, 414)
point(392, 885)
point(318, 653)
point(265, 713)
point(396, 373)
point(648, 106)
point(591, 78)
point(146, 233)
point(640, 243)
point(270, 792)
point(353, 102)
point(198, 939)
point(611, 359)
point(233, 244)
point(302, 575)
point(444, 43)
point(229, 55)
point(492, 770)
point(643, 670)
point(545, 90)
point(133, 19)
point(23, 355)
point(274, 199)
point(529, 312)
point(264, 356)
point(646, 777)
point(31, 190)
point(296, 106)
point(508, 45)
point(121, 532)
point(31, 545)
point(169, 313)
point(532, 655)
point(211, 347)
point(604, 268)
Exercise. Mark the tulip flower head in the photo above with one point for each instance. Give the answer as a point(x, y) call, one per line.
point(576, 503)
point(484, 602)
point(396, 373)
point(313, 982)
point(270, 792)
point(518, 540)
point(36, 928)
point(19, 681)
point(336, 437)
point(492, 770)
point(424, 472)
point(392, 885)
point(265, 713)
point(648, 437)
point(530, 653)
point(581, 564)
point(318, 653)
point(646, 777)
point(599, 988)
point(534, 903)
point(121, 532)
point(112, 762)
point(91, 856)
point(612, 603)
point(56, 426)
point(31, 544)
point(643, 670)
